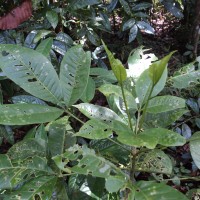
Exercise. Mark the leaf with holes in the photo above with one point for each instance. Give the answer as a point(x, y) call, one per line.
point(165, 103)
point(59, 136)
point(116, 65)
point(146, 190)
point(31, 71)
point(27, 148)
point(74, 74)
point(157, 68)
point(41, 187)
point(155, 161)
point(15, 173)
point(98, 112)
point(194, 148)
point(94, 129)
point(21, 114)
point(89, 163)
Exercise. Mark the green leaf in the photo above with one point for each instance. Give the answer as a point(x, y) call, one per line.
point(147, 190)
point(74, 74)
point(41, 34)
point(144, 85)
point(89, 91)
point(126, 7)
point(27, 99)
point(27, 148)
point(93, 37)
point(52, 17)
point(108, 89)
point(128, 24)
point(31, 71)
point(163, 119)
point(78, 4)
point(133, 33)
point(165, 103)
point(94, 129)
point(114, 184)
point(43, 187)
point(60, 133)
point(116, 65)
point(45, 46)
point(157, 68)
point(7, 133)
point(88, 163)
point(98, 112)
point(20, 114)
point(14, 174)
point(194, 148)
point(155, 161)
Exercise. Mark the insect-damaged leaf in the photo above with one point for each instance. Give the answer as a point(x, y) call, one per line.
point(21, 114)
point(74, 74)
point(31, 71)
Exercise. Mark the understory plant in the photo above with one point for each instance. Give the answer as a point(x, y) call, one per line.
point(105, 158)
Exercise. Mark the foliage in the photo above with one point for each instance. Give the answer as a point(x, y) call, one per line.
point(74, 147)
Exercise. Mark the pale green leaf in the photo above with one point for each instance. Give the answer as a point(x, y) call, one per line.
point(114, 183)
point(108, 89)
point(157, 68)
point(194, 148)
point(116, 65)
point(148, 190)
point(98, 112)
point(20, 114)
point(74, 74)
point(155, 161)
point(144, 86)
point(31, 71)
point(94, 129)
point(165, 103)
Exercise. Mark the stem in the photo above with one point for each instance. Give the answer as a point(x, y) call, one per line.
point(144, 110)
point(126, 106)
point(72, 115)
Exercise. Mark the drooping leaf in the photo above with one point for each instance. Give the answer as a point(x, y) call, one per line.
point(160, 191)
point(157, 68)
point(45, 46)
point(31, 71)
point(186, 131)
point(146, 27)
point(98, 112)
point(194, 148)
point(165, 103)
point(74, 74)
point(21, 114)
point(52, 17)
point(155, 161)
point(94, 129)
point(114, 183)
point(133, 33)
point(116, 65)
point(93, 37)
point(128, 24)
point(42, 187)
